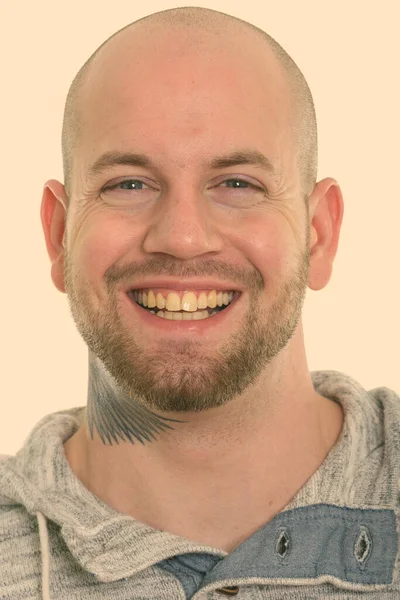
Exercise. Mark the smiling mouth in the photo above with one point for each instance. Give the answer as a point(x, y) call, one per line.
point(181, 315)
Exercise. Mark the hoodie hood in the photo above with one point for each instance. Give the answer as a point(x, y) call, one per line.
point(362, 469)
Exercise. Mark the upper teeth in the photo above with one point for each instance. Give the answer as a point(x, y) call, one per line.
point(188, 302)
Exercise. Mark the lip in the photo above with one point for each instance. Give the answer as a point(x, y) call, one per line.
point(201, 327)
point(182, 284)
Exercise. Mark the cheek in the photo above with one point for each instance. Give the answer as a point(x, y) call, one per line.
point(99, 243)
point(268, 246)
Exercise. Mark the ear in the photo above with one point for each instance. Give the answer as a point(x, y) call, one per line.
point(326, 213)
point(53, 213)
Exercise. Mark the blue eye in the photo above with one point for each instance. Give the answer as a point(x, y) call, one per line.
point(132, 185)
point(128, 183)
point(238, 180)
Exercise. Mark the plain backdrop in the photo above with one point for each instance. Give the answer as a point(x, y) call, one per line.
point(349, 53)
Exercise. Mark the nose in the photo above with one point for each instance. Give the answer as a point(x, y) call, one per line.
point(185, 224)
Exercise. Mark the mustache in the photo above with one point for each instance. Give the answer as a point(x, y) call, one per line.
point(167, 266)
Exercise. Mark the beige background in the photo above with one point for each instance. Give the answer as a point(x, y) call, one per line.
point(349, 53)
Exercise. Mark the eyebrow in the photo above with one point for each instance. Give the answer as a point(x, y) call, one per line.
point(240, 157)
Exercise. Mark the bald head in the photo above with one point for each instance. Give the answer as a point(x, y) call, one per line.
point(202, 26)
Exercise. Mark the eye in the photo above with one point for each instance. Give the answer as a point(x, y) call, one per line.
point(137, 185)
point(238, 180)
point(126, 185)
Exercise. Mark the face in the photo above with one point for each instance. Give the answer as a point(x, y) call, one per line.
point(180, 218)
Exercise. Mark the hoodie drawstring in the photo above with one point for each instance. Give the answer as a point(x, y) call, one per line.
point(44, 546)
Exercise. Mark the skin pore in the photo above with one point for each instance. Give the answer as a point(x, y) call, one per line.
point(192, 433)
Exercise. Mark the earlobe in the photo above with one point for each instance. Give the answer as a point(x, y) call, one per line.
point(53, 217)
point(326, 213)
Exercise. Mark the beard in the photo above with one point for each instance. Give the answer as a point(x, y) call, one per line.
point(180, 375)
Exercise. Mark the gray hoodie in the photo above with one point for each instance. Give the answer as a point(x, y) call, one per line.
point(338, 538)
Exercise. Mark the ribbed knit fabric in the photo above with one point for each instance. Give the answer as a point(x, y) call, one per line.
point(338, 538)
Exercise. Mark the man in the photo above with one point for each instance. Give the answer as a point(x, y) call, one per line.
point(208, 461)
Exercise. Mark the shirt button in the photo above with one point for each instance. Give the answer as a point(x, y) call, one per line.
point(229, 591)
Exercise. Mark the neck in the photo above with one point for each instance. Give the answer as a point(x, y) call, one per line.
point(112, 416)
point(193, 476)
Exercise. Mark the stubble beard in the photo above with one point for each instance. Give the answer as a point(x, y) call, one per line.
point(183, 376)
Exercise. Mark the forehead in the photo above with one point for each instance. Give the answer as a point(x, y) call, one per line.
point(172, 94)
